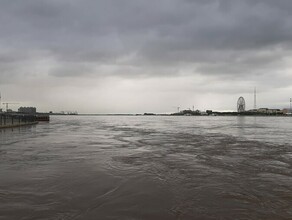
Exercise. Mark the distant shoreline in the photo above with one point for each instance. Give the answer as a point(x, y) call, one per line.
point(220, 115)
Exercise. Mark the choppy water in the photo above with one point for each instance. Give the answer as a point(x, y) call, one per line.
point(83, 167)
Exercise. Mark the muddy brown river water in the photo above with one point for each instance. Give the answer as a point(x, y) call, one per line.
point(151, 167)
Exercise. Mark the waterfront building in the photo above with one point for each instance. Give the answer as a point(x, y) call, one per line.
point(263, 110)
point(274, 111)
point(27, 110)
point(286, 111)
point(270, 111)
point(204, 113)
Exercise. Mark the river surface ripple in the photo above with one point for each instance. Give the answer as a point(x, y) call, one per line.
point(118, 167)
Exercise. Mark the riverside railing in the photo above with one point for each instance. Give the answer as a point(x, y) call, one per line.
point(10, 120)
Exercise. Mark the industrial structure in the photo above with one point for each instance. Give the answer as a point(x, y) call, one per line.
point(7, 105)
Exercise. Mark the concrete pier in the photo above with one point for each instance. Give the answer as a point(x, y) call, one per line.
point(11, 120)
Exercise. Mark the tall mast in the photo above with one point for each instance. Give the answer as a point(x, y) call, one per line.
point(290, 105)
point(255, 98)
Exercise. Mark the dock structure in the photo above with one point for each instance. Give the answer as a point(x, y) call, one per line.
point(17, 120)
point(43, 117)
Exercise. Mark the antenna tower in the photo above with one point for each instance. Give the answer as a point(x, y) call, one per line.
point(255, 99)
point(290, 105)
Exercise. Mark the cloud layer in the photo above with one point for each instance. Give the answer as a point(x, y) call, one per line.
point(138, 55)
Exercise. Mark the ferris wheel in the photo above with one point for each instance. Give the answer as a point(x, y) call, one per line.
point(240, 105)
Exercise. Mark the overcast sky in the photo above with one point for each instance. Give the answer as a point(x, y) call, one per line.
point(136, 56)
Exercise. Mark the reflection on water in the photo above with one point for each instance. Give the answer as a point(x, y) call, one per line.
point(147, 168)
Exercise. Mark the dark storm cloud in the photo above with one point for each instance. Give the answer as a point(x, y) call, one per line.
point(156, 31)
point(242, 40)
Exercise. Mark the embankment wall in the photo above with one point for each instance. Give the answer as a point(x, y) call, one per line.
point(10, 120)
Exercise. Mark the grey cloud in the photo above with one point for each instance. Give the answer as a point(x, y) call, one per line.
point(159, 33)
point(240, 40)
point(167, 26)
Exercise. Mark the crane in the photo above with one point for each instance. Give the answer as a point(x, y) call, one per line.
point(9, 103)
